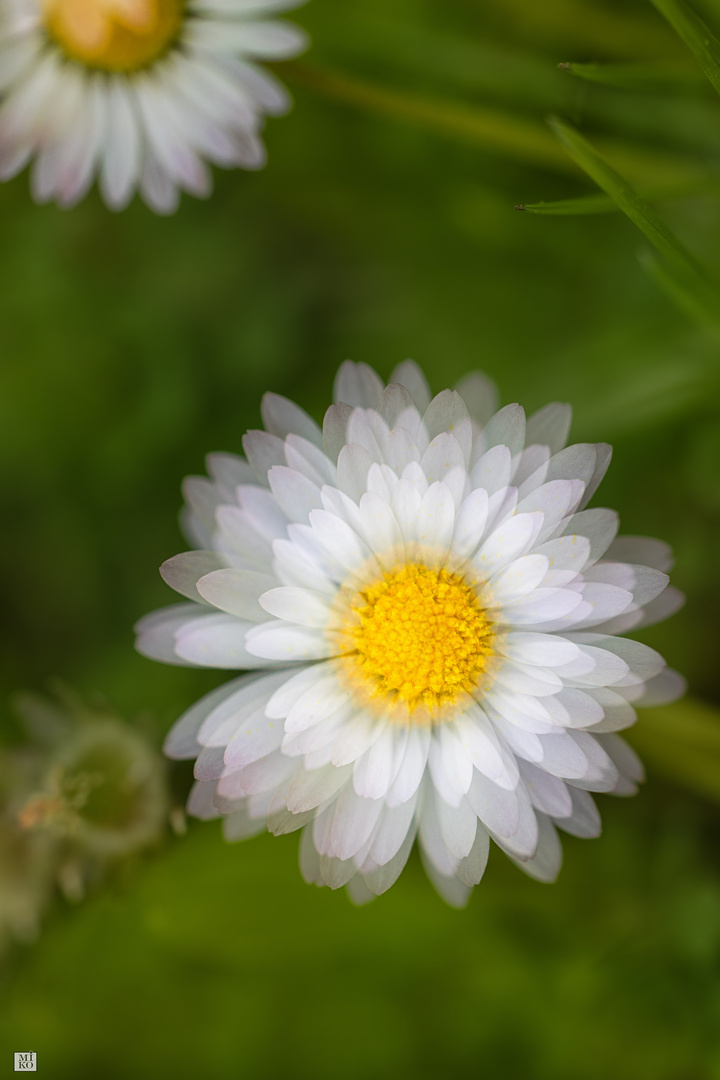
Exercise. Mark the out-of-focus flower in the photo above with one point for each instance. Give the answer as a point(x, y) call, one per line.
point(436, 616)
point(140, 93)
point(83, 793)
point(27, 859)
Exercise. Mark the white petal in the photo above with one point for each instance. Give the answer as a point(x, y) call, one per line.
point(540, 649)
point(493, 470)
point(584, 820)
point(256, 737)
point(379, 524)
point(397, 408)
point(352, 467)
point(471, 869)
point(412, 767)
point(547, 793)
point(409, 375)
point(381, 877)
point(458, 826)
point(366, 428)
point(355, 737)
point(225, 717)
point(279, 641)
point(535, 681)
point(470, 522)
point(444, 460)
point(296, 494)
point(450, 888)
point(479, 743)
point(335, 429)
point(641, 550)
point(457, 763)
point(182, 572)
point(554, 500)
point(309, 859)
point(479, 394)
point(600, 526)
point(319, 701)
point(374, 772)
point(506, 428)
point(566, 555)
point(514, 581)
point(406, 507)
point(181, 741)
point(342, 542)
point(496, 807)
point(432, 843)
point(263, 450)
point(549, 426)
point(354, 820)
point(508, 542)
point(236, 591)
point(309, 789)
point(294, 687)
point(283, 417)
point(302, 606)
point(436, 517)
point(240, 826)
point(200, 802)
point(392, 830)
point(541, 607)
point(357, 385)
point(448, 412)
point(545, 864)
point(624, 757)
point(603, 457)
point(663, 689)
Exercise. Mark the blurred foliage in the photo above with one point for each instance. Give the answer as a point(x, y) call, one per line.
point(383, 227)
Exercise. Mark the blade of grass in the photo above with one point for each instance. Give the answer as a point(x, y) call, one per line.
point(682, 741)
point(687, 276)
point(696, 35)
point(604, 204)
point(584, 204)
point(635, 77)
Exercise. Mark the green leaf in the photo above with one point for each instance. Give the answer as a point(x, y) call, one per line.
point(682, 741)
point(688, 279)
point(635, 77)
point(696, 35)
point(584, 204)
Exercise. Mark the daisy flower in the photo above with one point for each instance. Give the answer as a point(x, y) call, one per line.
point(140, 93)
point(431, 617)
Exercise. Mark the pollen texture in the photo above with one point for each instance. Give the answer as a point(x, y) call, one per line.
point(420, 637)
point(113, 35)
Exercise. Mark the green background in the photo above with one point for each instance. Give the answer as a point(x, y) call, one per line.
point(383, 227)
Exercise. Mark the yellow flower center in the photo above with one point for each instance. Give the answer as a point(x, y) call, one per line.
point(417, 636)
point(113, 35)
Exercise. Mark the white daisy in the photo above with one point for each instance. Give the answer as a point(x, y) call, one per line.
point(138, 92)
point(433, 616)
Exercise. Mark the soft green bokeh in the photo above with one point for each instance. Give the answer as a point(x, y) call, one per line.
point(383, 227)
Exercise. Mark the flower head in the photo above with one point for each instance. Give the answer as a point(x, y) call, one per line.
point(431, 614)
point(138, 92)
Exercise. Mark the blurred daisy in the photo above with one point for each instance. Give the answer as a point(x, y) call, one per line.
point(435, 616)
point(140, 93)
